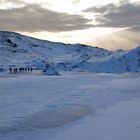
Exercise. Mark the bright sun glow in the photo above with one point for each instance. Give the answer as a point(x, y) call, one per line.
point(90, 36)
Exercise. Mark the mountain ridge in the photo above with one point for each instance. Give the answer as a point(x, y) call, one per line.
point(19, 50)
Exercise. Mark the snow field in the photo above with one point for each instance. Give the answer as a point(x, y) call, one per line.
point(72, 106)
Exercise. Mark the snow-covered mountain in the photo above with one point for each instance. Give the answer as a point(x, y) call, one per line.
point(117, 62)
point(19, 50)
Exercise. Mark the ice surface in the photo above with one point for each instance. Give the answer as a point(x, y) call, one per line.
point(71, 106)
point(117, 122)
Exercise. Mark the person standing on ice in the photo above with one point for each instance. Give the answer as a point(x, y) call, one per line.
point(20, 69)
point(14, 70)
point(10, 70)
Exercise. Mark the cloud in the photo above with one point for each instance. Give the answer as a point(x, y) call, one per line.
point(34, 18)
point(124, 15)
point(100, 10)
point(120, 16)
point(12, 1)
point(135, 28)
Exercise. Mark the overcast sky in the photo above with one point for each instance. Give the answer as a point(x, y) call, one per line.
point(111, 24)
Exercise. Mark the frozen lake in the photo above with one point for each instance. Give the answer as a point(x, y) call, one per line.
point(73, 106)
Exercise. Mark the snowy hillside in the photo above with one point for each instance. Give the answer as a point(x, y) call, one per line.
point(19, 50)
point(118, 62)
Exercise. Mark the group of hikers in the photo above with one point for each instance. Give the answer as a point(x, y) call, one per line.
point(21, 69)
